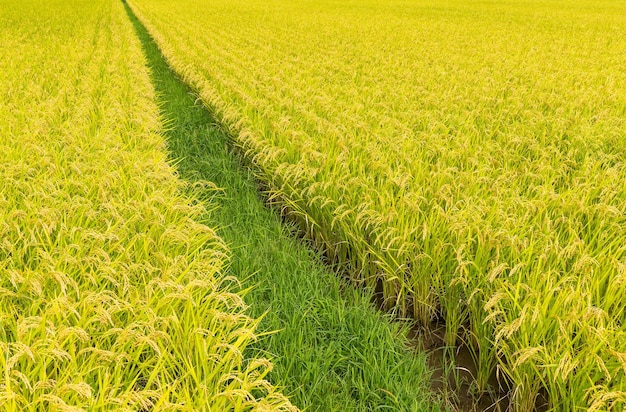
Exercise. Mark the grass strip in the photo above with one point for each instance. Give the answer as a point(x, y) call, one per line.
point(333, 350)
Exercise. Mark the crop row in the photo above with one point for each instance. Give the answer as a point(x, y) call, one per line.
point(467, 157)
point(112, 295)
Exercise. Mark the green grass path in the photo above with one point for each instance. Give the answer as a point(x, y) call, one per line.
point(333, 351)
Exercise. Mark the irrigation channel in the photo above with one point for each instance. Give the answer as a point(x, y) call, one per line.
point(337, 351)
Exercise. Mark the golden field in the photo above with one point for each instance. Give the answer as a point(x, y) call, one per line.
point(468, 157)
point(112, 295)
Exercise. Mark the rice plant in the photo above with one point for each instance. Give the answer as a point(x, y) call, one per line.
point(468, 157)
point(112, 297)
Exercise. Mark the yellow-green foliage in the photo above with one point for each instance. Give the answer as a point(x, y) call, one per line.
point(469, 154)
point(111, 296)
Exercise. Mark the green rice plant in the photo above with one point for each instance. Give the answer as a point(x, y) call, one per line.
point(469, 157)
point(112, 295)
